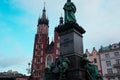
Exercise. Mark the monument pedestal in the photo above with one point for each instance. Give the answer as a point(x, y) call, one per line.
point(71, 46)
point(71, 39)
point(76, 74)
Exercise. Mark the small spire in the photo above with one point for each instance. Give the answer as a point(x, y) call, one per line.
point(94, 48)
point(101, 46)
point(43, 19)
point(44, 5)
point(86, 50)
point(44, 12)
point(61, 20)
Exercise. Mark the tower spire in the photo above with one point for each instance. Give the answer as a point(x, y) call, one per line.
point(44, 5)
point(44, 12)
point(43, 19)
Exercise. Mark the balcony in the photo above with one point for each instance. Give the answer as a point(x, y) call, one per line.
point(116, 65)
point(117, 74)
point(110, 75)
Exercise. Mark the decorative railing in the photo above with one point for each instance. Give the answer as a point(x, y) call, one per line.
point(116, 65)
point(112, 75)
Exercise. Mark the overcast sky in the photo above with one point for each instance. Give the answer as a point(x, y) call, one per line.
point(18, 23)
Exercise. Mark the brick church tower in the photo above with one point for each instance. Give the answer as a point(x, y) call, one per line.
point(44, 53)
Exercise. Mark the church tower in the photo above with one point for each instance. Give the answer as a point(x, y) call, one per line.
point(41, 43)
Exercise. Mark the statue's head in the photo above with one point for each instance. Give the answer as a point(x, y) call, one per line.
point(68, 0)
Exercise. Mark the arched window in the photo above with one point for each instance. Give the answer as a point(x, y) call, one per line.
point(49, 60)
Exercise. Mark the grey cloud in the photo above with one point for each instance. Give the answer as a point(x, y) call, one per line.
point(7, 62)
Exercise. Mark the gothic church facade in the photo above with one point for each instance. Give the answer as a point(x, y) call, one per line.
point(44, 53)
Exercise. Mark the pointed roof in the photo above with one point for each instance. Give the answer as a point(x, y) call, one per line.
point(43, 19)
point(87, 52)
point(94, 51)
point(61, 21)
point(44, 13)
point(50, 47)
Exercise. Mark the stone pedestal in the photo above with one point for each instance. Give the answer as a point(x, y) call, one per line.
point(76, 74)
point(71, 39)
point(71, 45)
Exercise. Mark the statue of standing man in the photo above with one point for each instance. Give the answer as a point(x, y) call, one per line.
point(69, 9)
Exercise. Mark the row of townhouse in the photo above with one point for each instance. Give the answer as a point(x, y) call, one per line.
point(108, 61)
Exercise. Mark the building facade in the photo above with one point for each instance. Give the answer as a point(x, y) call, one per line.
point(94, 58)
point(12, 75)
point(44, 53)
point(110, 61)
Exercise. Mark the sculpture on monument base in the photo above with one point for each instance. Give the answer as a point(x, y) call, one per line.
point(92, 70)
point(69, 10)
point(57, 70)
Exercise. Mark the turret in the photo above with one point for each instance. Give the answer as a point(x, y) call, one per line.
point(61, 21)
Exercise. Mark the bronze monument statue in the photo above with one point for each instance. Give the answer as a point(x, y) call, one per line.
point(69, 9)
point(72, 64)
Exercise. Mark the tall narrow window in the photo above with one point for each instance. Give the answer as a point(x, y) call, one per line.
point(41, 60)
point(38, 54)
point(34, 60)
point(118, 61)
point(58, 38)
point(116, 54)
point(57, 52)
point(95, 60)
point(109, 71)
point(39, 47)
point(35, 53)
point(38, 60)
point(118, 70)
point(108, 63)
point(107, 55)
point(41, 53)
point(36, 46)
point(49, 60)
point(39, 40)
point(42, 46)
point(58, 45)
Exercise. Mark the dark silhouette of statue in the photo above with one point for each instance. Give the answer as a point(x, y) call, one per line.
point(69, 9)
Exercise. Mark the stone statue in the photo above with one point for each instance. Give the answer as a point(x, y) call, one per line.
point(69, 9)
point(57, 70)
